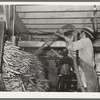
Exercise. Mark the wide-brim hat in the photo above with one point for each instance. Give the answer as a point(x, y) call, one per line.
point(88, 30)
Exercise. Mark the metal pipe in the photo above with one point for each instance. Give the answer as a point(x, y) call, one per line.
point(95, 17)
point(13, 38)
point(13, 27)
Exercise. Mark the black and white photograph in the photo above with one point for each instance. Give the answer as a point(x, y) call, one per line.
point(50, 48)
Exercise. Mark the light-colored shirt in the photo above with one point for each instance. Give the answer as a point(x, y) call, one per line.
point(85, 48)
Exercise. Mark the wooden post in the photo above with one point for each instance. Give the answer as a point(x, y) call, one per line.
point(13, 38)
point(2, 34)
point(95, 18)
point(13, 27)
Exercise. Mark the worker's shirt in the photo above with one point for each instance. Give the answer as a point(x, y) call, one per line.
point(85, 48)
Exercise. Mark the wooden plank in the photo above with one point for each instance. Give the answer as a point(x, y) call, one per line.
point(2, 34)
point(43, 37)
point(39, 34)
point(52, 30)
point(56, 11)
point(39, 44)
point(49, 31)
point(55, 21)
point(54, 15)
point(45, 30)
point(29, 18)
point(54, 7)
point(54, 26)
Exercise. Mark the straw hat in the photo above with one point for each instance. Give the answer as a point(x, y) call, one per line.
point(88, 30)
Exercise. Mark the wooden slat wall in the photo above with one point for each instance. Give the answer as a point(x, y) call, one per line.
point(54, 7)
point(49, 18)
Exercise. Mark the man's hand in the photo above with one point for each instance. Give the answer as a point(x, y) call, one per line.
point(72, 54)
point(59, 34)
point(67, 39)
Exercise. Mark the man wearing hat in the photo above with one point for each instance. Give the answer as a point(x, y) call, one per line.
point(86, 57)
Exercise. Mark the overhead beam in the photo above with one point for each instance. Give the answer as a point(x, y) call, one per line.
point(43, 37)
point(54, 44)
point(50, 28)
point(56, 11)
point(54, 26)
point(58, 7)
point(29, 18)
point(57, 15)
point(47, 31)
point(39, 44)
point(53, 23)
point(37, 33)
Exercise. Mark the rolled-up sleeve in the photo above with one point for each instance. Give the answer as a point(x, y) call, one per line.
point(73, 46)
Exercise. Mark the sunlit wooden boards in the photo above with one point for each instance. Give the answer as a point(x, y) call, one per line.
point(49, 18)
point(54, 44)
point(40, 43)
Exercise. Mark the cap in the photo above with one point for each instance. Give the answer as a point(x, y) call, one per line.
point(88, 30)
